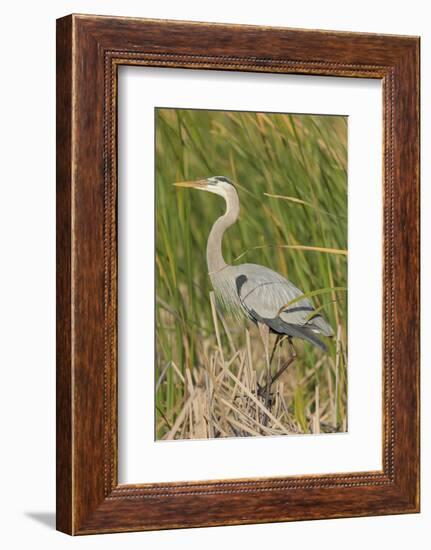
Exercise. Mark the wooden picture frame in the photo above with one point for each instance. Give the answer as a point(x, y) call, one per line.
point(89, 51)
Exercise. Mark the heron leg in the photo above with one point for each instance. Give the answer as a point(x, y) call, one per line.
point(265, 391)
point(277, 341)
point(264, 334)
point(286, 364)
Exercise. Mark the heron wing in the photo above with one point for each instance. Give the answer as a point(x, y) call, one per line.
point(265, 294)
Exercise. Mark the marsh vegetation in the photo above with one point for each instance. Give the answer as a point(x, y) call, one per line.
point(291, 175)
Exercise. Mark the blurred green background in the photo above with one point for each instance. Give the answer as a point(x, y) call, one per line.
point(290, 171)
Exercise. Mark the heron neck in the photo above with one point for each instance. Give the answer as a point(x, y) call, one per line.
point(215, 258)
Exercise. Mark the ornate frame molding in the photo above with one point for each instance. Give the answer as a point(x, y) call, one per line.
point(90, 49)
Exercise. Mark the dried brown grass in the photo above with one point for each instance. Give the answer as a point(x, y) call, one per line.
point(222, 398)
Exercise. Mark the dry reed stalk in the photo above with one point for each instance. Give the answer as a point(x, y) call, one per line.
point(221, 398)
point(337, 374)
point(316, 415)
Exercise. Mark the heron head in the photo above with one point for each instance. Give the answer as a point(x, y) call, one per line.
point(220, 185)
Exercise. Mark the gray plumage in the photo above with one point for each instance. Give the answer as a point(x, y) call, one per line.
point(255, 291)
point(260, 293)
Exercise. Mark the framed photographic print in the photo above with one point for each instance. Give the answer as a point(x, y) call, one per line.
point(237, 274)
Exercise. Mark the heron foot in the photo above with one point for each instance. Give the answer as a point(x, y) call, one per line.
point(262, 389)
point(266, 395)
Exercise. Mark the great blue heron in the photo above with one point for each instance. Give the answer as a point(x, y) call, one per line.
point(257, 292)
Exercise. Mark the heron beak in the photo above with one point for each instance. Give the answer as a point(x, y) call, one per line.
point(197, 184)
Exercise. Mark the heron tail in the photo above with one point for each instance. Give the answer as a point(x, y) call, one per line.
point(298, 332)
point(313, 339)
point(320, 324)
